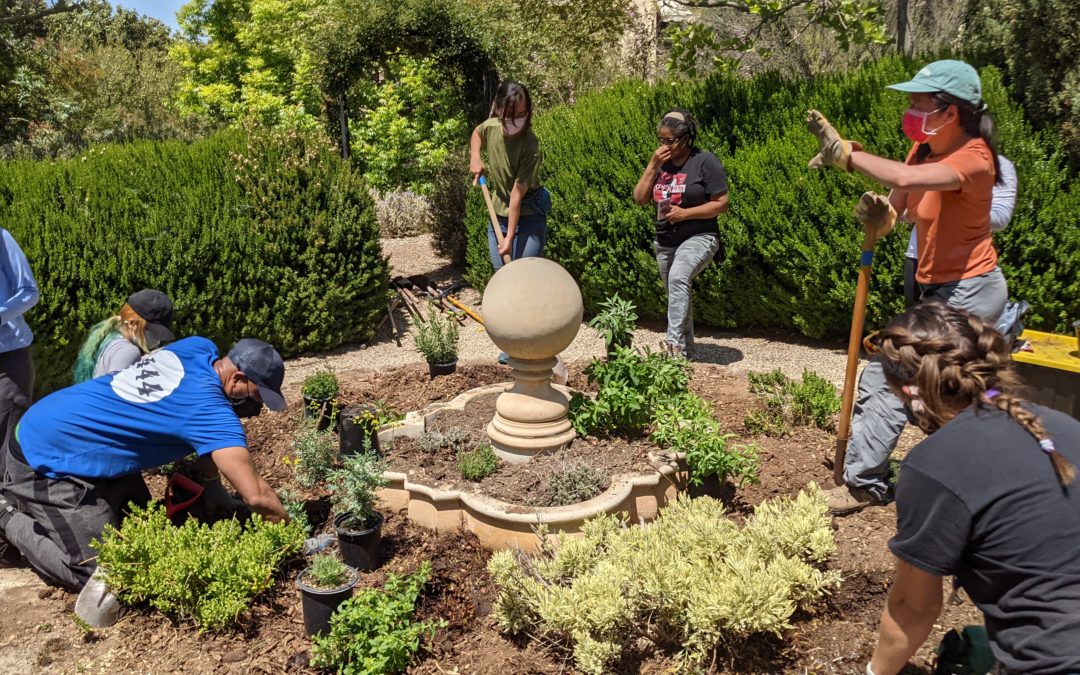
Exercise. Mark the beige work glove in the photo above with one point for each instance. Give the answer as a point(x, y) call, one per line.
point(834, 151)
point(875, 211)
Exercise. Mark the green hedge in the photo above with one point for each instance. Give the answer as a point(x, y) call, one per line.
point(790, 238)
point(266, 235)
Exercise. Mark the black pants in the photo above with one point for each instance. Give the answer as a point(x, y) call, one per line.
point(57, 517)
point(16, 390)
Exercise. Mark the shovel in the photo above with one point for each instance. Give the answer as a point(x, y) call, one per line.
point(493, 216)
point(862, 290)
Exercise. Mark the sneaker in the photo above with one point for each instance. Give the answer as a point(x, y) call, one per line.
point(844, 500)
point(504, 358)
point(97, 605)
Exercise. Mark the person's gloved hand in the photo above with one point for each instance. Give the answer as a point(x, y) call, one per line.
point(834, 151)
point(875, 212)
point(216, 502)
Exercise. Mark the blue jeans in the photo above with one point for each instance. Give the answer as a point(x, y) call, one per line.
point(529, 239)
point(678, 267)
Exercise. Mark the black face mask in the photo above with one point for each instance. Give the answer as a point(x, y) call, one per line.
point(246, 407)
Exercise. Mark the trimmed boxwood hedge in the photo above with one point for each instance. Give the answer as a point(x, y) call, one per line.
point(790, 238)
point(268, 234)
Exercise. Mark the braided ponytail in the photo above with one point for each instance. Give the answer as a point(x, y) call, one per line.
point(957, 361)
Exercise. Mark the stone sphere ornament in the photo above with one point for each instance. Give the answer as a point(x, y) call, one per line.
point(532, 311)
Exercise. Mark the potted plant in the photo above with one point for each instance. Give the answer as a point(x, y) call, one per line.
point(320, 392)
point(359, 430)
point(615, 322)
point(324, 585)
point(437, 340)
point(358, 525)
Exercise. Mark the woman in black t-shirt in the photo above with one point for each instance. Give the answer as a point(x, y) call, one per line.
point(987, 498)
point(689, 188)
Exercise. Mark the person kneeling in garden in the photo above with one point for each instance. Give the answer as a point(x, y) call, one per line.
point(988, 498)
point(75, 460)
point(689, 187)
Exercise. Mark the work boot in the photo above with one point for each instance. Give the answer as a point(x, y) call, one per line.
point(844, 500)
point(97, 605)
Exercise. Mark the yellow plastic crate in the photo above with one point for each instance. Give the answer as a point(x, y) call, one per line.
point(1052, 370)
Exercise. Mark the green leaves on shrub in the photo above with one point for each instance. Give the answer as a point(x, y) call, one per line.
point(478, 464)
point(689, 581)
point(206, 574)
point(321, 385)
point(630, 388)
point(353, 486)
point(686, 424)
point(373, 632)
point(266, 234)
point(316, 454)
point(326, 572)
point(436, 338)
point(615, 321)
point(789, 403)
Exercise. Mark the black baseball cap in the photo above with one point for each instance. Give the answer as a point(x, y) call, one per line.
point(156, 309)
point(261, 364)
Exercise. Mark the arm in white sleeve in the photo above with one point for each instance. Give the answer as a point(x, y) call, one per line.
point(1004, 200)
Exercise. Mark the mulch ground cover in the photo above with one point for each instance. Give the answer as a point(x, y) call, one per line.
point(836, 638)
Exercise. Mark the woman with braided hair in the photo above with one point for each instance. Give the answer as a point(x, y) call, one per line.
point(689, 187)
point(988, 497)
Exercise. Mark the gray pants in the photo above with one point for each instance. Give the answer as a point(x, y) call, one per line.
point(57, 518)
point(879, 416)
point(16, 390)
point(678, 267)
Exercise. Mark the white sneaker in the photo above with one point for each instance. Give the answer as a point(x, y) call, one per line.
point(97, 605)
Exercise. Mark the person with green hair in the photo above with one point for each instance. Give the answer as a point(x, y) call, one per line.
point(119, 341)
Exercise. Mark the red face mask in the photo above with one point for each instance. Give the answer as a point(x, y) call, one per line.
point(914, 125)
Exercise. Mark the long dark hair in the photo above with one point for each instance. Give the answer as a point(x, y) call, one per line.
point(507, 98)
point(976, 122)
point(957, 361)
point(687, 126)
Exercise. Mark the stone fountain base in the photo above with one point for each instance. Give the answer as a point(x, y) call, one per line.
point(500, 525)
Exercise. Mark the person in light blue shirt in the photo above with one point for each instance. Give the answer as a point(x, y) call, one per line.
point(75, 460)
point(18, 293)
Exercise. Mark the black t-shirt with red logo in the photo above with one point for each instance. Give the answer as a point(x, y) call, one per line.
point(699, 179)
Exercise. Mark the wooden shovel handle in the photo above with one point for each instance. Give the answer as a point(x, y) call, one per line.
point(493, 216)
point(858, 317)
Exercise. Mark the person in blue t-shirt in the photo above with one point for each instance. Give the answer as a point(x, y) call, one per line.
point(75, 460)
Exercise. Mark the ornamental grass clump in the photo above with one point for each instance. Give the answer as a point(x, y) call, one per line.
point(208, 574)
point(690, 580)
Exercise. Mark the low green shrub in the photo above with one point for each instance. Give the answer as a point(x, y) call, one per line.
point(266, 234)
point(321, 385)
point(326, 571)
point(316, 454)
point(206, 574)
point(689, 581)
point(374, 632)
point(789, 403)
point(436, 337)
point(686, 424)
point(630, 386)
point(574, 483)
point(478, 464)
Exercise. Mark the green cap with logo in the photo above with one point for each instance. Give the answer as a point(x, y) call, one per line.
point(952, 77)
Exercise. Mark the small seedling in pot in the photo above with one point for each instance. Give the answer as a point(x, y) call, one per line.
point(326, 571)
point(353, 488)
point(437, 340)
point(478, 464)
point(320, 386)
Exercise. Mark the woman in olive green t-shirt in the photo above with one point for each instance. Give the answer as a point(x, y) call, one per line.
point(513, 172)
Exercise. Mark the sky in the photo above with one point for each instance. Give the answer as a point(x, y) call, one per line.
point(164, 10)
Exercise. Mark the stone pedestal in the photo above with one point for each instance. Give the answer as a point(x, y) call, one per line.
point(532, 311)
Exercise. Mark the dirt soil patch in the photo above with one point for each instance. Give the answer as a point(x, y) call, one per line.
point(37, 634)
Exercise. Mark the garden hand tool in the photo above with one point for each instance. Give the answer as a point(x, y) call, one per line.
point(180, 493)
point(493, 216)
point(438, 297)
point(447, 294)
point(834, 151)
point(858, 317)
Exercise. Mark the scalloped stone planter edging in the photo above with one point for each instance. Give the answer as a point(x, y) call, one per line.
point(500, 525)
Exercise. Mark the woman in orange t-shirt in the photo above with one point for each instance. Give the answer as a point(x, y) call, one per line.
point(945, 187)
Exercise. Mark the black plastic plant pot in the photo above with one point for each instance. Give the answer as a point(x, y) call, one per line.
point(323, 409)
point(360, 549)
point(357, 425)
point(437, 369)
point(320, 603)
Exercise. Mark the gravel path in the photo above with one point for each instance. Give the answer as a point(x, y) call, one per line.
point(743, 352)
